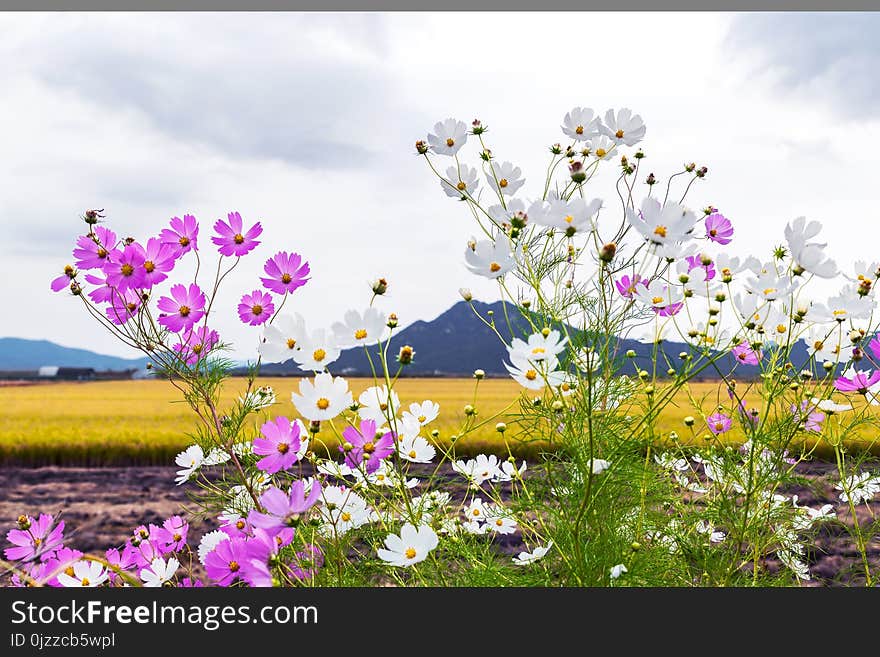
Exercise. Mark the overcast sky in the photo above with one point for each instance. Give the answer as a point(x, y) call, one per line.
point(307, 122)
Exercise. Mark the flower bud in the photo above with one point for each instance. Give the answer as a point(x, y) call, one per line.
point(631, 353)
point(91, 216)
point(477, 128)
point(479, 374)
point(607, 252)
point(421, 147)
point(537, 401)
point(649, 390)
point(469, 410)
point(651, 180)
point(690, 167)
point(347, 446)
point(683, 278)
point(557, 406)
point(545, 331)
point(643, 375)
point(435, 433)
point(670, 372)
point(314, 426)
point(501, 427)
point(689, 421)
point(24, 522)
point(405, 357)
point(683, 355)
point(828, 365)
point(465, 294)
point(576, 170)
point(556, 149)
point(392, 321)
point(856, 336)
point(379, 286)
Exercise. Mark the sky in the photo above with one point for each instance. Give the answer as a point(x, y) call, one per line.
point(306, 122)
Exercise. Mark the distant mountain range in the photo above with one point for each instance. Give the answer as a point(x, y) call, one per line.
point(454, 344)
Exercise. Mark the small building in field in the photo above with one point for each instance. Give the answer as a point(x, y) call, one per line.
point(66, 373)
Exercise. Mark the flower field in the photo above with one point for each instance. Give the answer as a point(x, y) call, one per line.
point(138, 422)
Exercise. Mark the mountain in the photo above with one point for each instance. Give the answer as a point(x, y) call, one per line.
point(20, 354)
point(458, 342)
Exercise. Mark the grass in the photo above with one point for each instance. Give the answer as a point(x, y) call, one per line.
point(144, 422)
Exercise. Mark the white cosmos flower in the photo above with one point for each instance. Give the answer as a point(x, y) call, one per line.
point(324, 399)
point(464, 181)
point(828, 344)
point(411, 546)
point(281, 338)
point(728, 265)
point(448, 137)
point(343, 509)
point(378, 403)
point(663, 225)
point(317, 350)
point(335, 469)
point(515, 211)
point(767, 285)
point(618, 570)
point(508, 471)
point(668, 461)
point(478, 470)
point(600, 466)
point(571, 217)
point(416, 450)
point(859, 488)
point(601, 147)
point(476, 510)
point(509, 178)
point(865, 271)
point(488, 258)
point(358, 330)
point(209, 542)
point(257, 400)
point(792, 560)
point(623, 127)
point(189, 460)
point(159, 572)
point(216, 456)
point(499, 521)
point(581, 124)
point(537, 347)
point(88, 574)
point(475, 527)
point(658, 295)
point(423, 413)
point(703, 527)
point(536, 375)
point(846, 306)
point(808, 255)
point(525, 558)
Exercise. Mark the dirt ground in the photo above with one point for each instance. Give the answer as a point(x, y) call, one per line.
point(102, 505)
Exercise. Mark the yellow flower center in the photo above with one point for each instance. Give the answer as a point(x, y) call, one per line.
point(283, 448)
point(85, 581)
point(69, 571)
point(257, 309)
point(197, 348)
point(291, 343)
point(239, 238)
point(499, 522)
point(769, 290)
point(719, 426)
point(713, 232)
point(319, 355)
point(494, 267)
point(412, 453)
point(360, 334)
point(286, 278)
point(461, 186)
point(345, 516)
point(781, 328)
point(503, 183)
point(538, 350)
point(126, 269)
point(619, 134)
point(531, 375)
point(660, 230)
point(601, 152)
point(579, 130)
point(410, 553)
point(102, 252)
point(233, 566)
point(369, 448)
point(149, 267)
point(183, 241)
point(568, 219)
point(656, 300)
point(184, 311)
point(421, 419)
point(323, 403)
point(450, 142)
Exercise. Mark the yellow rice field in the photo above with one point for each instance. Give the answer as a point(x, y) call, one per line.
point(146, 422)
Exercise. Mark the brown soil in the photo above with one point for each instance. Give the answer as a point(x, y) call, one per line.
point(102, 505)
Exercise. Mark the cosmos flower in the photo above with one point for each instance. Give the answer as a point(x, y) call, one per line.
point(92, 251)
point(415, 449)
point(538, 346)
point(324, 399)
point(526, 558)
point(256, 308)
point(159, 259)
point(159, 572)
point(286, 272)
point(232, 239)
point(36, 537)
point(507, 178)
point(283, 510)
point(224, 563)
point(859, 488)
point(479, 469)
point(719, 423)
point(190, 460)
point(278, 446)
point(572, 217)
point(488, 258)
point(663, 225)
point(183, 234)
point(718, 229)
point(125, 269)
point(87, 574)
point(581, 124)
point(617, 571)
point(627, 285)
point(861, 381)
point(423, 413)
point(448, 137)
point(809, 256)
point(410, 547)
point(745, 354)
point(368, 445)
point(184, 308)
point(807, 416)
point(360, 330)
point(534, 375)
point(123, 306)
point(378, 403)
point(196, 343)
point(282, 338)
point(662, 298)
point(317, 350)
point(623, 127)
point(462, 182)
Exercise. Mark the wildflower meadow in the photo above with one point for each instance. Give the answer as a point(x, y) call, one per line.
point(328, 487)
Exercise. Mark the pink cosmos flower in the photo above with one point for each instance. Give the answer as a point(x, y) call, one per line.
point(145, 551)
point(64, 280)
point(183, 308)
point(279, 445)
point(159, 259)
point(286, 272)
point(34, 538)
point(92, 250)
point(125, 269)
point(696, 261)
point(183, 234)
point(188, 583)
point(860, 382)
point(307, 562)
point(237, 527)
point(719, 229)
point(282, 510)
point(670, 310)
point(256, 308)
point(124, 559)
point(171, 536)
point(807, 415)
point(224, 562)
point(102, 292)
point(368, 448)
point(719, 423)
point(261, 548)
point(123, 306)
point(62, 559)
point(232, 239)
point(195, 344)
point(744, 353)
point(874, 346)
point(627, 286)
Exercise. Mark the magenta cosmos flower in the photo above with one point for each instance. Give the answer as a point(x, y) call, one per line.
point(64, 280)
point(874, 346)
point(34, 538)
point(171, 536)
point(102, 291)
point(286, 272)
point(279, 445)
point(719, 423)
point(231, 237)
point(744, 354)
point(284, 510)
point(159, 259)
point(196, 343)
point(719, 229)
point(696, 261)
point(256, 308)
point(183, 234)
point(183, 308)
point(225, 562)
point(367, 446)
point(807, 416)
point(125, 269)
point(627, 286)
point(123, 306)
point(92, 250)
point(859, 382)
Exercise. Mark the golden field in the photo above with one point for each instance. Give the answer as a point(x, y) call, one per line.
point(145, 422)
